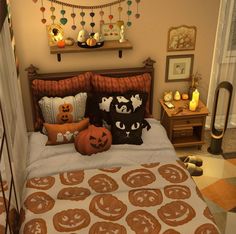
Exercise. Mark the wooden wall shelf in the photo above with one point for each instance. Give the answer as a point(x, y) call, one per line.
point(108, 45)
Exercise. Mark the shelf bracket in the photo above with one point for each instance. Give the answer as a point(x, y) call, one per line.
point(120, 53)
point(59, 57)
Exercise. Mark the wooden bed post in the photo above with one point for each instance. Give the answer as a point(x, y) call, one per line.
point(31, 71)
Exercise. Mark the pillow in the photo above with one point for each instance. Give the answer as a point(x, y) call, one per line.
point(63, 110)
point(60, 88)
point(100, 105)
point(93, 140)
point(64, 133)
point(122, 85)
point(127, 128)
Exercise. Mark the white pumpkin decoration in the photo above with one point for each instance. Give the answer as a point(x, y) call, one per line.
point(82, 36)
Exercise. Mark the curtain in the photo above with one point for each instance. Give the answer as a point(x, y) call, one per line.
point(224, 63)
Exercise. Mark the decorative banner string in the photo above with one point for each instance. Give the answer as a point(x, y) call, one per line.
point(87, 7)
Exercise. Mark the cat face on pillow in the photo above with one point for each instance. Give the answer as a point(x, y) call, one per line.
point(127, 129)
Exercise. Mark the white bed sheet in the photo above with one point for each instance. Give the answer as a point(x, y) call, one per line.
point(47, 160)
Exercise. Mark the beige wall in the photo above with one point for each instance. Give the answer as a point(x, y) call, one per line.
point(148, 35)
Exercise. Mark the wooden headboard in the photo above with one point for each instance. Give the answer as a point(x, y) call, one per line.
point(116, 73)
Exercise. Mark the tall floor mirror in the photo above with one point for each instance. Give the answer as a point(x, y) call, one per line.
point(9, 211)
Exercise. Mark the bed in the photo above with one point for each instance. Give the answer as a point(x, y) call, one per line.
point(129, 188)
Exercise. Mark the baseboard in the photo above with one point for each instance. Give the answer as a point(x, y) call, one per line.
point(219, 123)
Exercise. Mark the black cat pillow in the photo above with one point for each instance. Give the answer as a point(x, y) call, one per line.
point(127, 128)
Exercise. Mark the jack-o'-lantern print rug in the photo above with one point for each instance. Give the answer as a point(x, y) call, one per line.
point(144, 199)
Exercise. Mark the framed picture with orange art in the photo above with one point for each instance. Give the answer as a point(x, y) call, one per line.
point(181, 38)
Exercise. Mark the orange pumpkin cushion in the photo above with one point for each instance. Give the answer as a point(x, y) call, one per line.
point(123, 85)
point(64, 133)
point(93, 140)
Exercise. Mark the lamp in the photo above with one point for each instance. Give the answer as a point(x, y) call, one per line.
point(218, 134)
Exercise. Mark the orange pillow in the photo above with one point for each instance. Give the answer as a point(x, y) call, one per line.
point(64, 133)
point(104, 84)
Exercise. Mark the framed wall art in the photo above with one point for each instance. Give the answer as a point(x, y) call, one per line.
point(55, 33)
point(181, 38)
point(110, 32)
point(179, 67)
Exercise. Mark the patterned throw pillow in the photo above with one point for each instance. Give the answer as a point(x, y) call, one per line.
point(100, 105)
point(127, 128)
point(63, 110)
point(123, 85)
point(64, 133)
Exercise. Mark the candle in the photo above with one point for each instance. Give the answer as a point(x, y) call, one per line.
point(192, 105)
point(195, 96)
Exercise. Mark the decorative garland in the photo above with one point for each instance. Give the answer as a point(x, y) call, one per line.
point(63, 20)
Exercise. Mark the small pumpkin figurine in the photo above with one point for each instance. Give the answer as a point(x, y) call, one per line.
point(93, 140)
point(91, 41)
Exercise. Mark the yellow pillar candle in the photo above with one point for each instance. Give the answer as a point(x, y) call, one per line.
point(195, 96)
point(192, 105)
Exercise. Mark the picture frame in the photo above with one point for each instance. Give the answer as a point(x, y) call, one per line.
point(110, 32)
point(55, 33)
point(179, 67)
point(181, 38)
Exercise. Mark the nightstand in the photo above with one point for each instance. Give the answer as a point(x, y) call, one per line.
point(184, 128)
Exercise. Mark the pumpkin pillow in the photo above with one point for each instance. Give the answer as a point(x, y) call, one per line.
point(58, 110)
point(93, 140)
point(64, 133)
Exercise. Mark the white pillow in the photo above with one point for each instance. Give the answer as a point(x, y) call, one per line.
point(63, 110)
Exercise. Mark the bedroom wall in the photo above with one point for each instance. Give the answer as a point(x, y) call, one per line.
point(148, 36)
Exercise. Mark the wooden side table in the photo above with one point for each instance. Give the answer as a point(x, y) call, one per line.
point(184, 128)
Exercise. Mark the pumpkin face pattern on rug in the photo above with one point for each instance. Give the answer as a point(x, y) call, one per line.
point(173, 173)
point(140, 221)
point(145, 197)
point(177, 191)
point(176, 213)
point(43, 183)
point(73, 194)
point(72, 178)
point(108, 207)
point(71, 220)
point(138, 178)
point(39, 202)
point(102, 183)
point(107, 227)
point(35, 226)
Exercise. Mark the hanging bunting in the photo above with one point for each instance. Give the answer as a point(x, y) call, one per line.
point(91, 12)
point(129, 13)
point(42, 9)
point(52, 9)
point(73, 15)
point(137, 15)
point(110, 16)
point(82, 22)
point(92, 24)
